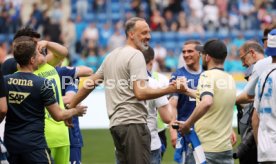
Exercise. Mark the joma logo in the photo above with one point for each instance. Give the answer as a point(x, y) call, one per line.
point(17, 97)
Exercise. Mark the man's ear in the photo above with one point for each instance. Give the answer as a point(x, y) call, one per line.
point(32, 61)
point(207, 57)
point(254, 55)
point(131, 34)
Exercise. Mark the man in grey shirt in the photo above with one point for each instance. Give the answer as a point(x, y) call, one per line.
point(125, 77)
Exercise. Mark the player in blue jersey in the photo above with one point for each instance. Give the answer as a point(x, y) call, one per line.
point(183, 105)
point(69, 87)
point(27, 95)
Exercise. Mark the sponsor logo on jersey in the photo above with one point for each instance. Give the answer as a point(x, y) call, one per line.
point(17, 97)
point(22, 82)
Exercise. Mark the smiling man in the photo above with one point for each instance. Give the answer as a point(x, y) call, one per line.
point(183, 105)
point(126, 110)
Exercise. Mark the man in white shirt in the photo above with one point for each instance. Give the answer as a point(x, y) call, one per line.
point(265, 106)
point(160, 105)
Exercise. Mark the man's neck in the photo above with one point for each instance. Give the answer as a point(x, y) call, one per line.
point(212, 66)
point(194, 68)
point(131, 44)
point(26, 69)
point(259, 57)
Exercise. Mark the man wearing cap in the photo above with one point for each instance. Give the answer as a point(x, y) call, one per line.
point(215, 97)
point(265, 106)
point(265, 33)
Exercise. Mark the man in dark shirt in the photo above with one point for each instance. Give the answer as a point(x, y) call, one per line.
point(3, 111)
point(27, 95)
point(3, 103)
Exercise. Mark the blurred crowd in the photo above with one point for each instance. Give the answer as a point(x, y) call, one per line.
point(95, 27)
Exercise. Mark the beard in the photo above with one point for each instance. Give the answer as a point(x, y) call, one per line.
point(204, 66)
point(141, 45)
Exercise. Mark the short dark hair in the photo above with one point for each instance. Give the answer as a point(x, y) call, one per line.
point(26, 31)
point(148, 54)
point(252, 45)
point(192, 42)
point(129, 25)
point(24, 48)
point(214, 48)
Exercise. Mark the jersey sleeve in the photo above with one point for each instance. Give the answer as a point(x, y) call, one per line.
point(72, 87)
point(161, 101)
point(137, 68)
point(205, 85)
point(2, 86)
point(47, 93)
point(66, 71)
point(250, 86)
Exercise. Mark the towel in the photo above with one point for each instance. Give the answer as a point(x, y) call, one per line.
point(182, 145)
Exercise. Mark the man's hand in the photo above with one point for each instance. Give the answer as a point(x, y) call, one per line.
point(81, 110)
point(184, 127)
point(173, 134)
point(69, 123)
point(233, 138)
point(179, 85)
point(42, 44)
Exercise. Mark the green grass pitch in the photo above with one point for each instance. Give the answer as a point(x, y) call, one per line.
point(99, 149)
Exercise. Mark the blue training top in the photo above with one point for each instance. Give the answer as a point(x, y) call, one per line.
point(186, 104)
point(75, 132)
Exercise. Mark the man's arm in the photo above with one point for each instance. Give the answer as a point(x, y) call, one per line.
point(88, 86)
point(244, 98)
point(255, 124)
point(173, 133)
point(143, 92)
point(68, 97)
point(165, 113)
point(56, 52)
point(3, 108)
point(190, 92)
point(59, 115)
point(203, 106)
point(83, 71)
point(248, 93)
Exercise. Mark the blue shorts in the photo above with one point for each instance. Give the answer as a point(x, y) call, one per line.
point(75, 155)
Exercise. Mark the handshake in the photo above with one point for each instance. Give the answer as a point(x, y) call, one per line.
point(179, 85)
